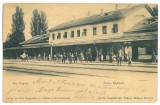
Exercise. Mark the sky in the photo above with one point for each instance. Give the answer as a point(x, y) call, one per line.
point(56, 13)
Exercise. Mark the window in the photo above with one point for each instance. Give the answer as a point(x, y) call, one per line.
point(78, 33)
point(59, 36)
point(72, 34)
point(65, 35)
point(115, 28)
point(53, 36)
point(95, 31)
point(104, 29)
point(84, 32)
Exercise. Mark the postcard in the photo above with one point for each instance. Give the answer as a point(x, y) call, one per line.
point(82, 52)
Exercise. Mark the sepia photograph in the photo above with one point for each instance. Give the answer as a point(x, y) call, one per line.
point(80, 52)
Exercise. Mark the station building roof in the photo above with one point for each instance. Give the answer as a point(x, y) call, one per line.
point(146, 25)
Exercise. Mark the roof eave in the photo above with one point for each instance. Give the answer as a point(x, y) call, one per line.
point(142, 31)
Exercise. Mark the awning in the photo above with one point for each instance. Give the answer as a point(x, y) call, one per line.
point(131, 37)
point(37, 45)
point(13, 48)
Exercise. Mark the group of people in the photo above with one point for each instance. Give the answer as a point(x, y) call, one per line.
point(71, 57)
point(74, 57)
point(87, 56)
point(119, 57)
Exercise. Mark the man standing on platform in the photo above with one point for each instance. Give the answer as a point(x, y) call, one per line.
point(119, 57)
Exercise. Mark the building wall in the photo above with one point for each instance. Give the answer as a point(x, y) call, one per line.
point(135, 17)
point(89, 31)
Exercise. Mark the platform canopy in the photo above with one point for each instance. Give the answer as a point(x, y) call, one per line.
point(38, 41)
point(106, 39)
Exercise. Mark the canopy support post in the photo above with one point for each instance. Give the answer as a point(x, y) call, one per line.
point(51, 51)
point(44, 55)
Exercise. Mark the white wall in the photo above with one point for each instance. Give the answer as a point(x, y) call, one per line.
point(89, 31)
point(144, 57)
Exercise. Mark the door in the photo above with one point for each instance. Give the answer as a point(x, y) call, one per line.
point(134, 52)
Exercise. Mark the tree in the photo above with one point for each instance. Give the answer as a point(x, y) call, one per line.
point(43, 23)
point(39, 24)
point(35, 20)
point(7, 43)
point(18, 26)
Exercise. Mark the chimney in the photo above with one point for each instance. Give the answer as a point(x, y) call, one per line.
point(116, 6)
point(101, 11)
point(88, 13)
